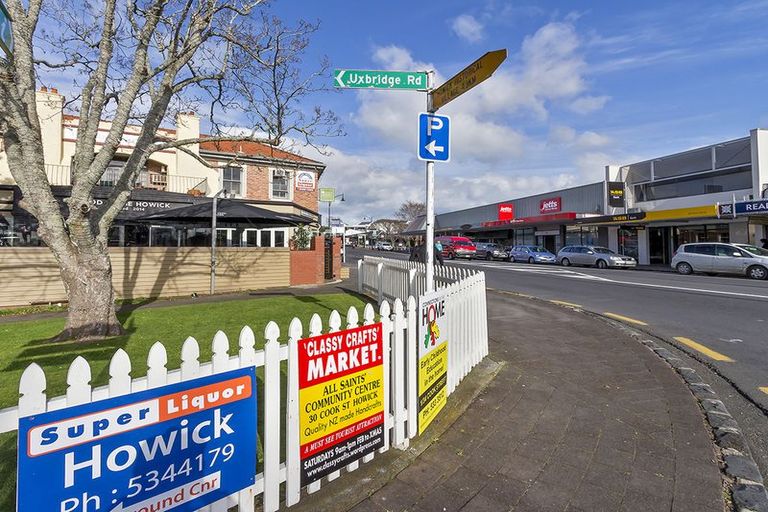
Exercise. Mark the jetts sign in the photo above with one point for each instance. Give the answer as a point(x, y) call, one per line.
point(551, 205)
point(341, 399)
point(177, 447)
point(506, 211)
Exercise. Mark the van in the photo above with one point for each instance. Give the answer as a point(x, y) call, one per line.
point(457, 247)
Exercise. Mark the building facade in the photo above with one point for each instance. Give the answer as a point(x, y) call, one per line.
point(645, 209)
point(257, 173)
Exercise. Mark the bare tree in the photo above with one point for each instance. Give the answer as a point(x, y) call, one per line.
point(390, 228)
point(409, 210)
point(140, 62)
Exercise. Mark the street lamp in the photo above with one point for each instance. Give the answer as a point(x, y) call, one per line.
point(329, 208)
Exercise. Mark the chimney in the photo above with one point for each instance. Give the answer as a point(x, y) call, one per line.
point(43, 89)
point(54, 90)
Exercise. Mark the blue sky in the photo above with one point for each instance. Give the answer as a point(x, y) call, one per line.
point(586, 84)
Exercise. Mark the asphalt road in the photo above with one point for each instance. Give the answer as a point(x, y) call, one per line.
point(721, 321)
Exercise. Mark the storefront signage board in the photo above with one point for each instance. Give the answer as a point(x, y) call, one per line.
point(616, 194)
point(305, 181)
point(550, 205)
point(752, 207)
point(433, 338)
point(506, 211)
point(341, 399)
point(327, 195)
point(179, 447)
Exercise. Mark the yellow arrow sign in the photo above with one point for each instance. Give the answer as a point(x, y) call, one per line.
point(469, 77)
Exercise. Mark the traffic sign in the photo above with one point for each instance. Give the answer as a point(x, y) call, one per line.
point(367, 79)
point(434, 138)
point(181, 447)
point(469, 77)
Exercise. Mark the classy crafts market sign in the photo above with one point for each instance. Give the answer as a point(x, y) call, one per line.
point(341, 399)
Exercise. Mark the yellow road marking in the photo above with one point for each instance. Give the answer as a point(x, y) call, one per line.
point(717, 356)
point(764, 390)
point(563, 303)
point(624, 318)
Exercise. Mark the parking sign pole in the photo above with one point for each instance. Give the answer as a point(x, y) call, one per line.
point(430, 221)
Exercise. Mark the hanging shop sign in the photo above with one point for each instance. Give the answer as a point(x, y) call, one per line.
point(433, 356)
point(179, 447)
point(616, 197)
point(341, 399)
point(305, 181)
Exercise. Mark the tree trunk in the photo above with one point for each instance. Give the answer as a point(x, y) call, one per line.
point(88, 279)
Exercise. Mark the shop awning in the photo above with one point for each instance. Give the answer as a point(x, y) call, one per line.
point(227, 211)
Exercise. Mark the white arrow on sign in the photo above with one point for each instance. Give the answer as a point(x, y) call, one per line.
point(433, 148)
point(339, 77)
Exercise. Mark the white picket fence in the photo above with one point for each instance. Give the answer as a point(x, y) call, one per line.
point(390, 279)
point(468, 345)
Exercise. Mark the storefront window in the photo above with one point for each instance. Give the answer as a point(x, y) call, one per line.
point(266, 239)
point(628, 242)
point(136, 236)
point(707, 233)
point(581, 235)
point(163, 236)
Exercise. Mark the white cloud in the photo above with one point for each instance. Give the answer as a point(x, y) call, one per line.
point(588, 104)
point(562, 135)
point(468, 28)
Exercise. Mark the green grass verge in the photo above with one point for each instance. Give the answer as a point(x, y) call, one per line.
point(26, 342)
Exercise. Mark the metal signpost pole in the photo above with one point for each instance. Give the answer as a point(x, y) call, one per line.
point(430, 221)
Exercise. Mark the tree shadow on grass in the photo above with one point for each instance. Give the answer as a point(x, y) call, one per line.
point(8, 471)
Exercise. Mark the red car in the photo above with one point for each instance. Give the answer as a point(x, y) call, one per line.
point(457, 247)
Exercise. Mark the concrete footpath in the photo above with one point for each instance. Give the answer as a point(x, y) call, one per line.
point(578, 417)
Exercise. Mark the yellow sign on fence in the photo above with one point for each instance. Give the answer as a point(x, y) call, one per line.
point(433, 357)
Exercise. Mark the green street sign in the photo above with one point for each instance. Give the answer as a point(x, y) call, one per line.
point(366, 79)
point(327, 194)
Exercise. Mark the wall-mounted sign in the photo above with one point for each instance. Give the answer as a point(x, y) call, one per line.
point(433, 357)
point(305, 181)
point(327, 194)
point(506, 211)
point(551, 205)
point(616, 194)
point(752, 207)
point(180, 447)
point(341, 399)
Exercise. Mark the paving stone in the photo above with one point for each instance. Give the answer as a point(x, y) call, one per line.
point(742, 467)
point(544, 498)
point(466, 482)
point(504, 490)
point(367, 506)
point(396, 495)
point(441, 499)
point(594, 498)
point(640, 502)
point(522, 468)
point(482, 503)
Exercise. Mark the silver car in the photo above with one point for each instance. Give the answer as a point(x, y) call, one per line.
point(716, 258)
point(490, 251)
point(593, 256)
point(531, 254)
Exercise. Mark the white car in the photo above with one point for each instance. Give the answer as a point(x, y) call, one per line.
point(383, 246)
point(717, 258)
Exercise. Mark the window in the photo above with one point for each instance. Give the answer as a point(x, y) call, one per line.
point(233, 179)
point(708, 249)
point(738, 178)
point(280, 187)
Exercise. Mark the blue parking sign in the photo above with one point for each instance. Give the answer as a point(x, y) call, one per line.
point(434, 138)
point(177, 447)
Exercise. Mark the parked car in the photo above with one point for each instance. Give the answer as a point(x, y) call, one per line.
point(531, 254)
point(490, 251)
point(716, 258)
point(383, 246)
point(457, 247)
point(593, 256)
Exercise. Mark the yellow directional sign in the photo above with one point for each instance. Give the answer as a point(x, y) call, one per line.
point(469, 77)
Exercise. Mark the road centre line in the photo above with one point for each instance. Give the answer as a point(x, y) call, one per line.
point(624, 318)
point(563, 303)
point(717, 356)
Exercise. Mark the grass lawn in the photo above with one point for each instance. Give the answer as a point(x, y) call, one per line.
point(26, 342)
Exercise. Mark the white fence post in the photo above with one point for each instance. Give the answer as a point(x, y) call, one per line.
point(411, 368)
point(292, 445)
point(386, 329)
point(271, 418)
point(315, 329)
point(398, 387)
point(380, 287)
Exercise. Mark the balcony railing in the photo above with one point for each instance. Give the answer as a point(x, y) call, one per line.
point(62, 175)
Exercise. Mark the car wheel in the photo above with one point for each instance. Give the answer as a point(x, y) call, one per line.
point(451, 256)
point(684, 268)
point(512, 259)
point(565, 262)
point(757, 272)
point(602, 264)
point(531, 260)
point(488, 257)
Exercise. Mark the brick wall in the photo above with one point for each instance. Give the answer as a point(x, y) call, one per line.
point(258, 183)
point(308, 267)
